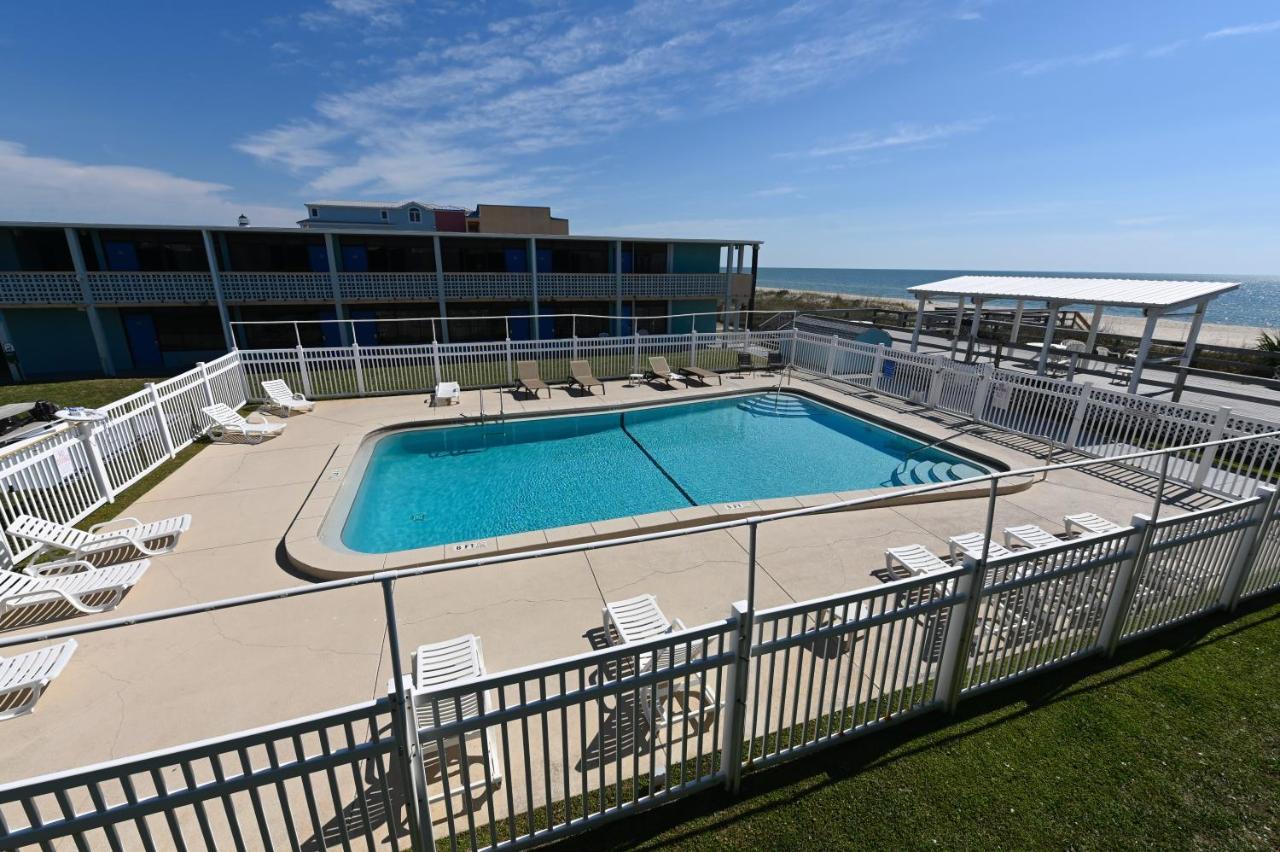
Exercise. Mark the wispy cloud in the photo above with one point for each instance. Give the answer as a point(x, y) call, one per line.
point(1079, 60)
point(775, 192)
point(376, 13)
point(1144, 221)
point(53, 188)
point(902, 136)
point(1246, 29)
point(1166, 49)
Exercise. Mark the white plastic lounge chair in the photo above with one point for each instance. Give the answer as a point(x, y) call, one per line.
point(229, 424)
point(1029, 535)
point(640, 618)
point(133, 541)
point(970, 544)
point(23, 677)
point(285, 400)
point(660, 371)
point(915, 558)
point(1089, 523)
point(75, 588)
point(444, 664)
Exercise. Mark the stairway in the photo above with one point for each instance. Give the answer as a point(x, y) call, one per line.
point(925, 472)
point(774, 405)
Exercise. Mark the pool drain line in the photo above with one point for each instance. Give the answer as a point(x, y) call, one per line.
point(622, 422)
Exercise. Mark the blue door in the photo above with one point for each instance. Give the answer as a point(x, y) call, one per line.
point(544, 260)
point(366, 332)
point(355, 259)
point(144, 348)
point(319, 258)
point(517, 260)
point(121, 257)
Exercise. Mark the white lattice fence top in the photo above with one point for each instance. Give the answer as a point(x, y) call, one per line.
point(380, 286)
point(577, 285)
point(39, 288)
point(673, 284)
point(488, 285)
point(276, 286)
point(146, 287)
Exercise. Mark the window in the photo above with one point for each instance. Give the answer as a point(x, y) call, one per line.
point(315, 212)
point(415, 215)
point(384, 215)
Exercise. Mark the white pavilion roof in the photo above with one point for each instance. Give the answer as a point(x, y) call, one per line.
point(1126, 292)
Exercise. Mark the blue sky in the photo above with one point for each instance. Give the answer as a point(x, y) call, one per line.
point(1114, 136)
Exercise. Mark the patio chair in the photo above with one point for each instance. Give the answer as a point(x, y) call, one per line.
point(24, 677)
point(970, 544)
point(1089, 524)
point(580, 375)
point(640, 618)
point(448, 664)
point(284, 400)
point(1029, 535)
point(745, 364)
point(75, 588)
point(1124, 370)
point(660, 371)
point(774, 363)
point(528, 377)
point(701, 374)
point(135, 541)
point(915, 558)
point(229, 424)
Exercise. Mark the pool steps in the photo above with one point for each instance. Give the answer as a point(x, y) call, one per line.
point(924, 472)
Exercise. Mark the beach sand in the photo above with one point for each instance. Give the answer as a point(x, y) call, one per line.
point(1216, 334)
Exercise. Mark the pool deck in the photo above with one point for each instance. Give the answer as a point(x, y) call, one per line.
point(140, 688)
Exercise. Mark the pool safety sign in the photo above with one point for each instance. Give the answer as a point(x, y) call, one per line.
point(62, 458)
point(1000, 394)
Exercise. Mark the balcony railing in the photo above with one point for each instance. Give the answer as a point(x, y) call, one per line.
point(276, 286)
point(39, 288)
point(132, 288)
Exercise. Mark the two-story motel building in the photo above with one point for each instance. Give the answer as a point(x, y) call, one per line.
point(83, 299)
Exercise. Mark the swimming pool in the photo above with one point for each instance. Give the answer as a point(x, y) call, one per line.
point(437, 485)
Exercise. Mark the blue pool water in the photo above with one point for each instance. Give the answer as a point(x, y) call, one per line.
point(439, 485)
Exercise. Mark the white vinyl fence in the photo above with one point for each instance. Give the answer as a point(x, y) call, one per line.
point(523, 757)
point(69, 473)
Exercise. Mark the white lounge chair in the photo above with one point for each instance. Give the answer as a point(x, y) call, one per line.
point(24, 677)
point(73, 587)
point(1089, 523)
point(135, 541)
point(917, 559)
point(1029, 535)
point(640, 618)
point(229, 424)
point(970, 544)
point(283, 399)
point(445, 664)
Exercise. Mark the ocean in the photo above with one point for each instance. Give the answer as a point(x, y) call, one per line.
point(1256, 302)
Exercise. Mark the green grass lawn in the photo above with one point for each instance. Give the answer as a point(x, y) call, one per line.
point(91, 393)
point(1174, 744)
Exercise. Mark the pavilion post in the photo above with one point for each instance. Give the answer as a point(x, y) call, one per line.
point(974, 327)
point(1093, 329)
point(915, 333)
point(1050, 326)
point(1017, 323)
point(1144, 348)
point(1189, 349)
point(955, 332)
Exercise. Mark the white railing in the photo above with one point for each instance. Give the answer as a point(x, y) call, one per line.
point(66, 475)
point(557, 747)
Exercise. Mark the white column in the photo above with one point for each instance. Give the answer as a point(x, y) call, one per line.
point(440, 298)
point(331, 254)
point(1050, 326)
point(1193, 334)
point(975, 325)
point(955, 332)
point(217, 289)
point(1093, 331)
point(1144, 348)
point(1017, 323)
point(95, 321)
point(915, 333)
point(617, 274)
point(533, 287)
point(728, 287)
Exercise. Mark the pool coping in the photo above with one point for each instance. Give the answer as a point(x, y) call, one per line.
point(311, 548)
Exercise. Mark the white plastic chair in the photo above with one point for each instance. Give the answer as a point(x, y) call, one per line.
point(1089, 523)
point(79, 582)
point(915, 558)
point(640, 618)
point(285, 400)
point(1029, 535)
point(135, 541)
point(229, 424)
point(24, 677)
point(447, 664)
point(970, 544)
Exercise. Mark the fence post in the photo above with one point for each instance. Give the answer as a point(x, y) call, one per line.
point(980, 394)
point(877, 367)
point(161, 421)
point(635, 348)
point(1211, 453)
point(831, 355)
point(408, 749)
point(960, 626)
point(355, 354)
point(733, 727)
point(507, 350)
point(1122, 588)
point(1247, 550)
point(693, 346)
point(935, 382)
point(302, 370)
point(204, 378)
point(97, 468)
point(1077, 416)
point(435, 360)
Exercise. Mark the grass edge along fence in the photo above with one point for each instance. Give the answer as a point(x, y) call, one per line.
point(528, 764)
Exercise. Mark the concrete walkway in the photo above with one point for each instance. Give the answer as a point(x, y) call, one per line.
point(141, 688)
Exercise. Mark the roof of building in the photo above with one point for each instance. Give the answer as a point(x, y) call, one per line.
point(1123, 292)
point(383, 205)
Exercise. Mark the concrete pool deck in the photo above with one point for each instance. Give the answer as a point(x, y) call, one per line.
point(141, 688)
